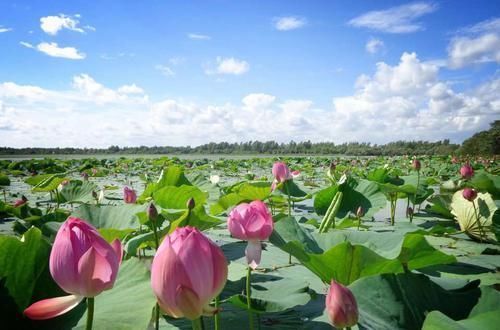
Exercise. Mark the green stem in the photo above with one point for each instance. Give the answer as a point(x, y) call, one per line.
point(478, 222)
point(157, 307)
point(359, 222)
point(249, 302)
point(394, 199)
point(415, 197)
point(216, 315)
point(4, 196)
point(288, 199)
point(197, 324)
point(90, 313)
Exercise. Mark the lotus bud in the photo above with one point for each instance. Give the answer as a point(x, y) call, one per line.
point(253, 223)
point(190, 204)
point(152, 212)
point(469, 194)
point(466, 171)
point(341, 306)
point(129, 195)
point(281, 173)
point(409, 212)
point(187, 272)
point(82, 263)
point(416, 165)
point(85, 176)
point(360, 212)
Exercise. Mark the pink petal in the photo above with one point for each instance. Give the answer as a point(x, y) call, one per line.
point(253, 253)
point(95, 273)
point(49, 308)
point(117, 247)
point(188, 302)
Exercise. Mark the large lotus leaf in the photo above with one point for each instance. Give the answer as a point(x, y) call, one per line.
point(22, 262)
point(290, 188)
point(172, 197)
point(129, 304)
point(401, 301)
point(170, 176)
point(485, 315)
point(4, 180)
point(77, 191)
point(380, 175)
point(440, 205)
point(349, 255)
point(242, 192)
point(486, 182)
point(362, 193)
point(467, 215)
point(46, 182)
point(270, 295)
point(110, 216)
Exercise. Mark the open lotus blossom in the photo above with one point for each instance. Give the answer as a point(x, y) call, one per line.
point(129, 195)
point(467, 171)
point(82, 263)
point(253, 223)
point(341, 306)
point(282, 173)
point(187, 272)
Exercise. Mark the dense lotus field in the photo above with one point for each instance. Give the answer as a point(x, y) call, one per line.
point(289, 243)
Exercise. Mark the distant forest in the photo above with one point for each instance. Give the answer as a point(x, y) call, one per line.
point(484, 143)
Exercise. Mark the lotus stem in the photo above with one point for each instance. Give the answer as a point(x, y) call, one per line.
point(415, 197)
point(249, 301)
point(197, 324)
point(478, 222)
point(216, 315)
point(157, 306)
point(90, 313)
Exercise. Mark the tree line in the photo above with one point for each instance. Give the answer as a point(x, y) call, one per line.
point(482, 143)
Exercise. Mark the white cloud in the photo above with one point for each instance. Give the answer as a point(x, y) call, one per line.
point(53, 24)
point(406, 100)
point(53, 49)
point(374, 45)
point(130, 89)
point(475, 44)
point(165, 70)
point(229, 65)
point(196, 36)
point(4, 29)
point(289, 23)
point(400, 19)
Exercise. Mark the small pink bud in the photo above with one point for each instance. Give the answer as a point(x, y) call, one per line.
point(341, 306)
point(129, 195)
point(190, 204)
point(466, 171)
point(85, 176)
point(469, 194)
point(416, 165)
point(20, 202)
point(152, 212)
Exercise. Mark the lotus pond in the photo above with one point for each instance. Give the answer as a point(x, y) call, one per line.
point(416, 242)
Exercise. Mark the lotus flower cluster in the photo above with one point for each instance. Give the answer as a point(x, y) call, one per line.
point(341, 306)
point(251, 222)
point(281, 174)
point(188, 271)
point(82, 263)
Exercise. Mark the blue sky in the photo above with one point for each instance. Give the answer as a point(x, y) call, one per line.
point(189, 72)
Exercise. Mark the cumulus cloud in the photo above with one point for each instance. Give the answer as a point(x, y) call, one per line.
point(474, 44)
point(229, 65)
point(400, 19)
point(165, 70)
point(53, 49)
point(53, 24)
point(197, 36)
point(289, 23)
point(374, 45)
point(405, 100)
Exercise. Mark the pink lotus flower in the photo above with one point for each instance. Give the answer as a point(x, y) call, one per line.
point(341, 306)
point(466, 171)
point(188, 271)
point(253, 223)
point(281, 173)
point(82, 263)
point(129, 195)
point(20, 202)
